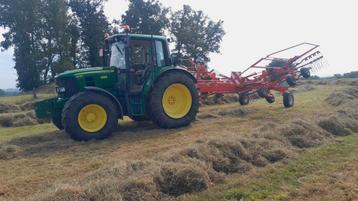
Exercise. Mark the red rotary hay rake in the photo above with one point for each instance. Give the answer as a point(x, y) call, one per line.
point(278, 74)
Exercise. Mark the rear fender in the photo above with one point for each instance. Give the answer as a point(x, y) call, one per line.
point(177, 70)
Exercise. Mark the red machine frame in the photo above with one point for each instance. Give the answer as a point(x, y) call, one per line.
point(271, 78)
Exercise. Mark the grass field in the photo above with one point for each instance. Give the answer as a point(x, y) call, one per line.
point(261, 152)
point(325, 173)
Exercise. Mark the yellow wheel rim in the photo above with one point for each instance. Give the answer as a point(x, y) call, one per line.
point(92, 118)
point(177, 101)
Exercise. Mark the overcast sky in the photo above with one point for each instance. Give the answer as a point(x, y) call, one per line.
point(257, 27)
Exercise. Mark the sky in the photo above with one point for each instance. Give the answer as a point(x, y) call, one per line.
point(256, 28)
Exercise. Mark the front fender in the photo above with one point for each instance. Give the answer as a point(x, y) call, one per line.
point(109, 95)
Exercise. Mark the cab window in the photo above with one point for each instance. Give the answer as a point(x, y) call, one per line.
point(160, 53)
point(141, 54)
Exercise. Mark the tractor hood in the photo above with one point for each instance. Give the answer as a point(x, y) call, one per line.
point(85, 71)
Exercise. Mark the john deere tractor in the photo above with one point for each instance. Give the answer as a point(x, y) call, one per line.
point(138, 79)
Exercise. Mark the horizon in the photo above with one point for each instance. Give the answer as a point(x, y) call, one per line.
point(247, 38)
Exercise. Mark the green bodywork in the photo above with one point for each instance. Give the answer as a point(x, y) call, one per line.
point(109, 81)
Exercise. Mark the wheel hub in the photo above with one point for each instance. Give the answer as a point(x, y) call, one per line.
point(177, 101)
point(92, 118)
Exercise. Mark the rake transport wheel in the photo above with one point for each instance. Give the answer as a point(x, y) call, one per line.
point(270, 98)
point(288, 99)
point(291, 81)
point(174, 101)
point(57, 120)
point(305, 72)
point(244, 99)
point(262, 92)
point(88, 116)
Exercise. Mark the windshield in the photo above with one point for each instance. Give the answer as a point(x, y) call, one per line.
point(117, 55)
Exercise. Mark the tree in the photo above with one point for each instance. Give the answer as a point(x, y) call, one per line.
point(146, 17)
point(22, 18)
point(60, 35)
point(195, 34)
point(93, 24)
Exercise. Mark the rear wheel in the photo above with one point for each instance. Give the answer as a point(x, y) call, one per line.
point(244, 99)
point(88, 116)
point(174, 101)
point(288, 99)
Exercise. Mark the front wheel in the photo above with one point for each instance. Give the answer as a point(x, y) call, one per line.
point(174, 101)
point(88, 116)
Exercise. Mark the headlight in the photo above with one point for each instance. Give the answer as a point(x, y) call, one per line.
point(60, 89)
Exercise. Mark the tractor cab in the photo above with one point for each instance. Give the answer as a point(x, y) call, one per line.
point(135, 57)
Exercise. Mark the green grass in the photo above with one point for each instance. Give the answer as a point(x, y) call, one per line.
point(279, 182)
point(20, 99)
point(7, 134)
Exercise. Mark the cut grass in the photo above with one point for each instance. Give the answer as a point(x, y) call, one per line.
point(20, 99)
point(309, 177)
point(7, 134)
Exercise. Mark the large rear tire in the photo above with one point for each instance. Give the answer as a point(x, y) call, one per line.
point(88, 116)
point(174, 101)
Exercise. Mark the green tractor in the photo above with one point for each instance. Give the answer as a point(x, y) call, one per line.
point(139, 79)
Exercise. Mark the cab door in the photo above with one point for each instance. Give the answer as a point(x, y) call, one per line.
point(141, 61)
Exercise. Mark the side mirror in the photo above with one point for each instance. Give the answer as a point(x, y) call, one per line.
point(175, 60)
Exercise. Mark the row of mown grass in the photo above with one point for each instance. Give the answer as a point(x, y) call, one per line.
point(311, 170)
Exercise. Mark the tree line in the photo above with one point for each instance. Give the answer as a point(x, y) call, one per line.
point(52, 36)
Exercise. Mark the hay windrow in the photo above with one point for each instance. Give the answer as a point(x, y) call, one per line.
point(334, 126)
point(7, 108)
point(344, 96)
point(175, 179)
point(8, 152)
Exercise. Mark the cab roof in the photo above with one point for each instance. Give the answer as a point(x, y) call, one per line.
point(144, 36)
